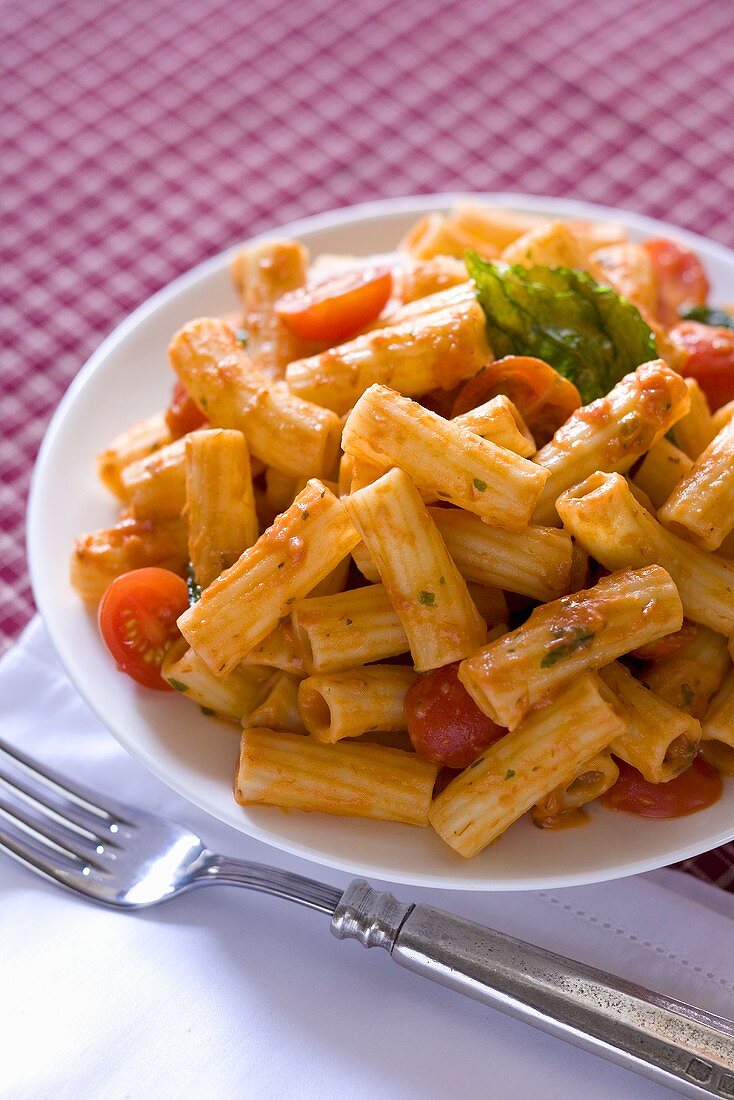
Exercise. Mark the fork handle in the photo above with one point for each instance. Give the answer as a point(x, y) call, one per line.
point(667, 1040)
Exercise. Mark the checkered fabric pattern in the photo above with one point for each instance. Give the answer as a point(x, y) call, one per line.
point(138, 138)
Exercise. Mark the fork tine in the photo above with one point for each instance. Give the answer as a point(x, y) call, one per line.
point(30, 851)
point(71, 801)
point(72, 843)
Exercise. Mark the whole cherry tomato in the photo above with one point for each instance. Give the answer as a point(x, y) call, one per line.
point(444, 722)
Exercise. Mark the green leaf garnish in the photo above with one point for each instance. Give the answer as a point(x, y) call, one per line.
point(178, 686)
point(509, 774)
point(575, 639)
point(480, 486)
point(208, 711)
point(590, 334)
point(193, 587)
point(428, 599)
point(721, 318)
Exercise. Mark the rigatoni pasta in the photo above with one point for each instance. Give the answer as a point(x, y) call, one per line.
point(520, 769)
point(611, 433)
point(585, 630)
point(348, 779)
point(246, 602)
point(443, 458)
point(349, 694)
point(424, 586)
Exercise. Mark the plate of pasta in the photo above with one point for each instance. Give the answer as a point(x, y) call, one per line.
point(427, 538)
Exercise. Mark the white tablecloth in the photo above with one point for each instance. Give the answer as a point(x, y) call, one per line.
point(223, 993)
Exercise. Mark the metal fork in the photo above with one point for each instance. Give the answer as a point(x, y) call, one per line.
point(127, 858)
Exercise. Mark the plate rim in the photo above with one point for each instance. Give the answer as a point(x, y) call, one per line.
point(342, 216)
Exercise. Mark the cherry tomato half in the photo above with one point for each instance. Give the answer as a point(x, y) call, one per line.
point(183, 415)
point(544, 398)
point(137, 620)
point(337, 308)
point(444, 722)
point(706, 354)
point(695, 789)
point(680, 278)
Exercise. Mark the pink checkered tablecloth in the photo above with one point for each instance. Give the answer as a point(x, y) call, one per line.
point(137, 138)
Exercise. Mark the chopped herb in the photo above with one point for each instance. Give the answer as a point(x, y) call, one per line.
point(322, 494)
point(577, 638)
point(305, 513)
point(720, 318)
point(290, 600)
point(349, 622)
point(241, 335)
point(178, 686)
point(207, 711)
point(478, 760)
point(281, 564)
point(509, 774)
point(428, 599)
point(687, 694)
point(442, 580)
point(590, 334)
point(480, 486)
point(203, 402)
point(193, 587)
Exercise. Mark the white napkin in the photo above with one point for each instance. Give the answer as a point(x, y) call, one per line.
point(223, 993)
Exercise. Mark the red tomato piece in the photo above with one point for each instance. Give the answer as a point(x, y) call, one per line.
point(444, 722)
point(707, 354)
point(544, 398)
point(679, 276)
point(698, 787)
point(137, 620)
point(183, 415)
point(337, 308)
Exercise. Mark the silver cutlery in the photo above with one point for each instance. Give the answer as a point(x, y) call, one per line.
point(127, 858)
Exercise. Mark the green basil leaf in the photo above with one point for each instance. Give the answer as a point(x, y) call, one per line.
point(586, 331)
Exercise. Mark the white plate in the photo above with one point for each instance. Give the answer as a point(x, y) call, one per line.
point(127, 378)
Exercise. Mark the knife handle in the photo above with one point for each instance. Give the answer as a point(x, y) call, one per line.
point(673, 1043)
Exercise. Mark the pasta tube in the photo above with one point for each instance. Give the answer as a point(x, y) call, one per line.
point(694, 431)
point(263, 273)
point(659, 740)
point(585, 630)
point(611, 433)
point(552, 245)
point(139, 441)
point(232, 696)
point(348, 629)
point(437, 350)
point(281, 649)
point(99, 557)
point(499, 421)
point(661, 470)
point(348, 779)
point(423, 583)
point(717, 742)
point(485, 229)
point(220, 504)
point(443, 458)
point(524, 766)
point(426, 277)
point(689, 677)
point(355, 701)
point(701, 506)
point(154, 487)
point(535, 562)
point(604, 516)
point(595, 777)
point(279, 709)
point(295, 436)
point(240, 608)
